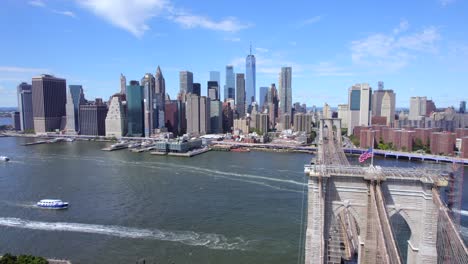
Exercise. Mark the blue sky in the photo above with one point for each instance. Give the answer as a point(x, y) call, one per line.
point(418, 48)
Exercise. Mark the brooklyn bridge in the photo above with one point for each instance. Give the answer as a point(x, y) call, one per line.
point(351, 208)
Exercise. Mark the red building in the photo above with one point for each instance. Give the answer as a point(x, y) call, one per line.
point(379, 120)
point(357, 130)
point(461, 132)
point(406, 140)
point(423, 134)
point(464, 148)
point(442, 143)
point(369, 138)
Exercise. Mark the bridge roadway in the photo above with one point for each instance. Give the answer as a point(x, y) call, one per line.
point(342, 229)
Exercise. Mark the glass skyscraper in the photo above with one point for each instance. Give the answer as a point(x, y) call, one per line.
point(135, 106)
point(250, 79)
point(263, 94)
point(25, 106)
point(285, 91)
point(230, 87)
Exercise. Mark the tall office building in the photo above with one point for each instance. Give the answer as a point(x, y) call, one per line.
point(230, 87)
point(172, 116)
point(196, 89)
point(123, 84)
point(25, 106)
point(160, 99)
point(116, 119)
point(285, 91)
point(383, 104)
point(250, 73)
point(75, 98)
point(48, 98)
point(216, 117)
point(205, 110)
point(228, 117)
point(417, 107)
point(135, 109)
point(185, 82)
point(343, 114)
point(213, 90)
point(380, 85)
point(359, 102)
point(192, 106)
point(240, 95)
point(462, 109)
point(326, 111)
point(16, 120)
point(273, 105)
point(215, 76)
point(148, 82)
point(93, 118)
point(263, 94)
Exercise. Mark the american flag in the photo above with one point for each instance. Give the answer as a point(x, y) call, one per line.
point(367, 154)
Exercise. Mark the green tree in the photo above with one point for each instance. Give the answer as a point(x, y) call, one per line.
point(8, 259)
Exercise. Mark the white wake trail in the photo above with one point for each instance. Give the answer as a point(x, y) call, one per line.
point(212, 241)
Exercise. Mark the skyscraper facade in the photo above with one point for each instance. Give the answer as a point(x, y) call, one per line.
point(215, 76)
point(230, 87)
point(172, 116)
point(135, 110)
point(93, 118)
point(192, 106)
point(250, 73)
point(462, 107)
point(185, 82)
point(359, 102)
point(75, 98)
point(196, 89)
point(148, 82)
point(123, 84)
point(213, 90)
point(417, 107)
point(273, 105)
point(216, 117)
point(263, 94)
point(160, 99)
point(285, 91)
point(48, 98)
point(25, 107)
point(383, 104)
point(205, 110)
point(240, 95)
point(116, 119)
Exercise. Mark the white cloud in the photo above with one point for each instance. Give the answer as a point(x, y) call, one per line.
point(65, 13)
point(311, 20)
point(37, 3)
point(232, 39)
point(446, 2)
point(393, 51)
point(230, 24)
point(329, 69)
point(133, 15)
point(13, 69)
point(402, 27)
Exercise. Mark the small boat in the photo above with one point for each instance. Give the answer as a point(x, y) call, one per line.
point(4, 158)
point(134, 145)
point(52, 204)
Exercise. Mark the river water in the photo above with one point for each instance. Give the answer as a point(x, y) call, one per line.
point(218, 207)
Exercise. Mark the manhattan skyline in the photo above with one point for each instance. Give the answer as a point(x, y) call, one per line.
point(328, 46)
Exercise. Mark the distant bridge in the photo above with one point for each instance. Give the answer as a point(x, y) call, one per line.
point(350, 211)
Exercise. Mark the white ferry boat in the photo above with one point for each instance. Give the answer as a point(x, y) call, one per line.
point(4, 158)
point(52, 204)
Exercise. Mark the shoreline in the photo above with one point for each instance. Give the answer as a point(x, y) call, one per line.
point(267, 147)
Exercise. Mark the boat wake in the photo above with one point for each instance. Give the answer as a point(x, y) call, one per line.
point(212, 241)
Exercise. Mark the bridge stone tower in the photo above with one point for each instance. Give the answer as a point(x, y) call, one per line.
point(350, 209)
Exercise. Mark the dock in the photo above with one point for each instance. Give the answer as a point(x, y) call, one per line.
point(160, 153)
point(190, 153)
point(36, 143)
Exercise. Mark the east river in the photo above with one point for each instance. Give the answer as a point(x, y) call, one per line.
point(218, 207)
